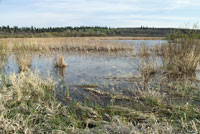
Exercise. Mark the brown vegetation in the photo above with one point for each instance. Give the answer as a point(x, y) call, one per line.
point(64, 44)
point(182, 56)
point(60, 62)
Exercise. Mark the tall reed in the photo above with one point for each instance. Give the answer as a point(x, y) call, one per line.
point(182, 55)
point(65, 44)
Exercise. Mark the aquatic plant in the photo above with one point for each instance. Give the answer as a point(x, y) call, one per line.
point(181, 56)
point(87, 44)
point(144, 51)
point(23, 60)
point(59, 61)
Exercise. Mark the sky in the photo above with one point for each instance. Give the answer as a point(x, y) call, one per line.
point(110, 13)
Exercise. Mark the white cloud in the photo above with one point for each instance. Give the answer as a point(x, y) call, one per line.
point(98, 12)
point(178, 4)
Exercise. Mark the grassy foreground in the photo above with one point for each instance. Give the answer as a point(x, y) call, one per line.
point(28, 105)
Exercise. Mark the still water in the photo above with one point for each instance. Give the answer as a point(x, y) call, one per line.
point(106, 73)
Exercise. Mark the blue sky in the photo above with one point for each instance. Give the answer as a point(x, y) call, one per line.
point(112, 13)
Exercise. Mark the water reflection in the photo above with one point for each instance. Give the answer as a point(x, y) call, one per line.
point(60, 71)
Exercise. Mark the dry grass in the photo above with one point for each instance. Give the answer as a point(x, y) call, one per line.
point(149, 67)
point(131, 38)
point(23, 60)
point(182, 56)
point(23, 104)
point(64, 44)
point(28, 105)
point(59, 61)
point(156, 50)
point(144, 51)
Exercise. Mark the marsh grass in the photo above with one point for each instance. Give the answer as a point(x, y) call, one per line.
point(23, 60)
point(25, 105)
point(28, 105)
point(3, 55)
point(156, 50)
point(144, 51)
point(59, 62)
point(131, 38)
point(3, 62)
point(181, 56)
point(64, 44)
point(149, 68)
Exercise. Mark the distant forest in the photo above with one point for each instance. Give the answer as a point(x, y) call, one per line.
point(24, 32)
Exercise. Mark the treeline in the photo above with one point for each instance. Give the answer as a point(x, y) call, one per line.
point(22, 32)
point(7, 31)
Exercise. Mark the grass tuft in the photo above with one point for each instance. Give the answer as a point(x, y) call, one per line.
point(60, 62)
point(181, 56)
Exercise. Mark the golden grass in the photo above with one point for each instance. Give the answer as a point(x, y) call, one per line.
point(23, 61)
point(64, 44)
point(144, 51)
point(130, 38)
point(181, 57)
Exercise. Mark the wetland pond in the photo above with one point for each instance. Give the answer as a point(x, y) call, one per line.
point(102, 72)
